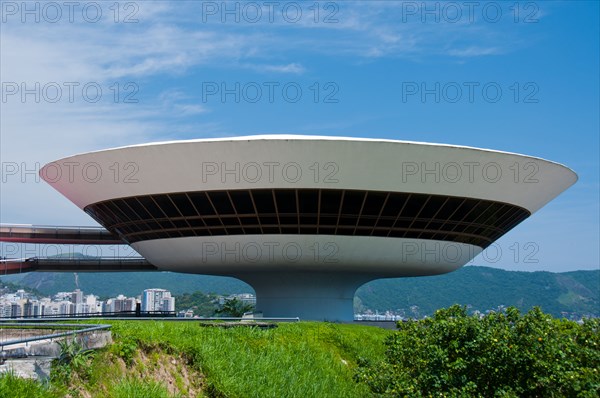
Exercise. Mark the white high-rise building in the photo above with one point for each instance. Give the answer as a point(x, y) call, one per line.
point(77, 297)
point(5, 310)
point(167, 304)
point(157, 300)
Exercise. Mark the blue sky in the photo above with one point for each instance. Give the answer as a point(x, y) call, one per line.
point(361, 58)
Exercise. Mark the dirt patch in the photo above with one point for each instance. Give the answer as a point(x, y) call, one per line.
point(172, 371)
point(147, 365)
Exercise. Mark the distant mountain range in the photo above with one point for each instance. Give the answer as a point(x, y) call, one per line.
point(573, 294)
point(576, 293)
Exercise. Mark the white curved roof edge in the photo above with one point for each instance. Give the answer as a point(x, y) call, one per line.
point(300, 137)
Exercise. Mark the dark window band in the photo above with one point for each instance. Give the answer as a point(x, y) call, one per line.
point(307, 211)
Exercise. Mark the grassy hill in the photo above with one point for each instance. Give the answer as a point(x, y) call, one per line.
point(482, 288)
point(452, 354)
point(174, 359)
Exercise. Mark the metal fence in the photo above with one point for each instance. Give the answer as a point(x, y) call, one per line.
point(10, 339)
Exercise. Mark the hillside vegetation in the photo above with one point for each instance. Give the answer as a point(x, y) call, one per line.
point(482, 288)
point(453, 354)
point(111, 284)
point(503, 354)
point(176, 359)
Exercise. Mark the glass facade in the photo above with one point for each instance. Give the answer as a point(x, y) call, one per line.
point(307, 211)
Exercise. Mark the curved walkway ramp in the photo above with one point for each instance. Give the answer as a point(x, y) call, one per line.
point(17, 266)
point(57, 235)
point(60, 235)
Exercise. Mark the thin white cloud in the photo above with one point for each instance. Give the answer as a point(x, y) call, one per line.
point(291, 68)
point(474, 51)
point(190, 109)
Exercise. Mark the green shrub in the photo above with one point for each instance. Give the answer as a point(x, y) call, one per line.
point(502, 354)
point(125, 349)
point(72, 358)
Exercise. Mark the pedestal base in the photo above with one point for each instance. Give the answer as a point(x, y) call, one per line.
point(309, 296)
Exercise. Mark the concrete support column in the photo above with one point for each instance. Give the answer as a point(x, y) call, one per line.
point(307, 295)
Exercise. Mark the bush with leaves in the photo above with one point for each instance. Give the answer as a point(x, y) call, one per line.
point(234, 307)
point(125, 349)
point(503, 354)
point(73, 358)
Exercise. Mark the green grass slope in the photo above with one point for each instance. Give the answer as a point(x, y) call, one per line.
point(306, 359)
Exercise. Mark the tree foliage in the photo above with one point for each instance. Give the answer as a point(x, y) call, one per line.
point(234, 307)
point(503, 354)
point(202, 304)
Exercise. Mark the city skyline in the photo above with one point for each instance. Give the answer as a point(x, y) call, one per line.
point(75, 303)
